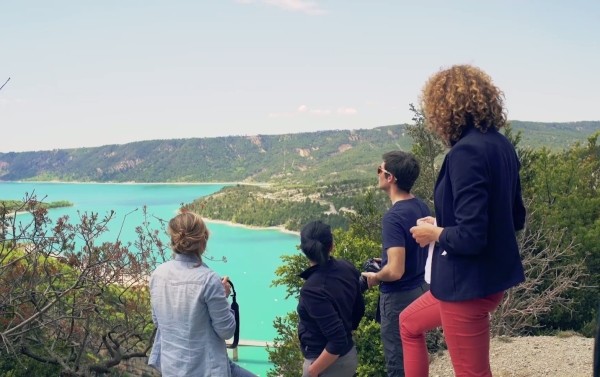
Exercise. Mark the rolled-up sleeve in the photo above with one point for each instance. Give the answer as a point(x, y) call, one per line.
point(221, 315)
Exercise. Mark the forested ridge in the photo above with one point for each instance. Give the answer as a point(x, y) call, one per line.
point(310, 157)
point(288, 207)
point(233, 158)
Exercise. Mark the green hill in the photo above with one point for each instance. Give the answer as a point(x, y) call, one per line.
point(324, 156)
point(554, 135)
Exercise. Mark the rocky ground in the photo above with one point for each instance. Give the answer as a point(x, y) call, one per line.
point(539, 356)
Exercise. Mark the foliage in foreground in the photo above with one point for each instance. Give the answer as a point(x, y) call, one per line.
point(69, 302)
point(562, 188)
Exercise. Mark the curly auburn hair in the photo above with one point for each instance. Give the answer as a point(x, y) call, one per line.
point(462, 96)
point(189, 234)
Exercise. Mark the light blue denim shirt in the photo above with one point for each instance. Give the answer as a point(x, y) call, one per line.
point(193, 317)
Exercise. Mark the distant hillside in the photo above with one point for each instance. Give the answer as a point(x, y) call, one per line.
point(323, 156)
point(234, 158)
point(554, 135)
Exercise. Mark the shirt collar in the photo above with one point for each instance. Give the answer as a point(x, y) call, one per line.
point(311, 270)
point(187, 258)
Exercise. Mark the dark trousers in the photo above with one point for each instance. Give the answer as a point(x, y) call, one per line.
point(390, 306)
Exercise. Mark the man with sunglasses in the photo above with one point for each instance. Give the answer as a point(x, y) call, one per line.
point(402, 276)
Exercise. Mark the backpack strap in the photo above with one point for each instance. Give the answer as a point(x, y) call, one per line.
point(236, 313)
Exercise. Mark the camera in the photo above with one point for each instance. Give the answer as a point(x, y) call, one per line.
point(371, 265)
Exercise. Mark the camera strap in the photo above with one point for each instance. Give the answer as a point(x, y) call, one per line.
point(236, 313)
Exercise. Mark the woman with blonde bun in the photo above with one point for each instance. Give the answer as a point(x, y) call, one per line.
point(190, 308)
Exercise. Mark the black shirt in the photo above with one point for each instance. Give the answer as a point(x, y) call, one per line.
point(330, 307)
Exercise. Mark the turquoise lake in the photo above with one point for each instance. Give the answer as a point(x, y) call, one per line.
point(252, 254)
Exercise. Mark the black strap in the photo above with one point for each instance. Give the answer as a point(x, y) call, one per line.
point(236, 313)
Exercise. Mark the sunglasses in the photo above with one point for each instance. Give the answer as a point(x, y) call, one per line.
point(382, 170)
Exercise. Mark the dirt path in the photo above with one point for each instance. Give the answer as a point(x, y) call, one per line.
point(537, 356)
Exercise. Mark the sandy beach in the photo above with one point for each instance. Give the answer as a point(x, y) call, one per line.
point(229, 223)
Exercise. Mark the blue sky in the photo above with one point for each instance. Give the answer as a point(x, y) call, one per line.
point(89, 73)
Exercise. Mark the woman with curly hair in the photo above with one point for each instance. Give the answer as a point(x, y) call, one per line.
point(190, 308)
point(478, 209)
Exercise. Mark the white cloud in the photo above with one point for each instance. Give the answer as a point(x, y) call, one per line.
point(302, 6)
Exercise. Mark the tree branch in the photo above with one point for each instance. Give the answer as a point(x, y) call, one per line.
point(7, 80)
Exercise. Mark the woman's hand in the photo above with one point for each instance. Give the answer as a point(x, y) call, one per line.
point(226, 285)
point(321, 363)
point(312, 373)
point(425, 232)
point(426, 220)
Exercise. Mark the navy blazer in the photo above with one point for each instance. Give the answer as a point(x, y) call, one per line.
point(478, 203)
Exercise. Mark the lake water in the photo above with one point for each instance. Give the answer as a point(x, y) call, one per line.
point(252, 254)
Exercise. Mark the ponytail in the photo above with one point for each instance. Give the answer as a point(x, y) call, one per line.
point(316, 241)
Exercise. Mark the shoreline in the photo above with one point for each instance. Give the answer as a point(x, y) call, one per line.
point(278, 228)
point(262, 184)
point(251, 227)
point(228, 223)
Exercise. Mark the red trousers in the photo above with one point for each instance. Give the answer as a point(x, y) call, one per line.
point(466, 326)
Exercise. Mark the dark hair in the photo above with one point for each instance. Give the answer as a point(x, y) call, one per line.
point(404, 167)
point(316, 241)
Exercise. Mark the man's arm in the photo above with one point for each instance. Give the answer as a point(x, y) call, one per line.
point(392, 271)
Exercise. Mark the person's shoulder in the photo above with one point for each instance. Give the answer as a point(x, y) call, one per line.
point(394, 215)
point(470, 147)
point(346, 264)
point(478, 139)
point(312, 285)
point(419, 201)
point(161, 272)
point(405, 209)
point(206, 277)
point(397, 216)
point(390, 214)
point(163, 267)
point(422, 205)
point(203, 269)
point(203, 274)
